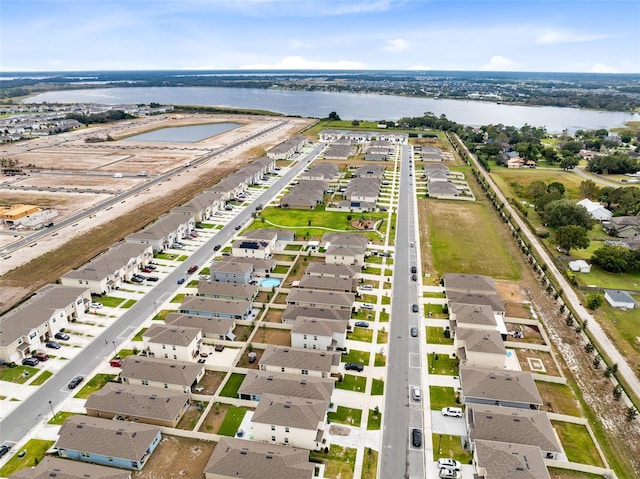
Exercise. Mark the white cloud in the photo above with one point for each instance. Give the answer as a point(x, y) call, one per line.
point(299, 63)
point(295, 43)
point(549, 37)
point(397, 45)
point(497, 63)
point(602, 68)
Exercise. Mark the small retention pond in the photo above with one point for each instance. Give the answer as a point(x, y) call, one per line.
point(185, 134)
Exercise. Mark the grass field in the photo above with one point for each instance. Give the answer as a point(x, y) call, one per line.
point(377, 387)
point(464, 239)
point(61, 416)
point(232, 421)
point(358, 357)
point(442, 364)
point(94, 384)
point(346, 415)
point(577, 443)
point(42, 377)
point(374, 420)
point(352, 383)
point(450, 446)
point(515, 181)
point(17, 374)
point(35, 450)
point(230, 389)
point(339, 462)
point(441, 396)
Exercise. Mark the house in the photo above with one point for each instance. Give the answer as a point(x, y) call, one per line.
point(619, 299)
point(370, 171)
point(472, 316)
point(211, 328)
point(492, 300)
point(224, 290)
point(512, 425)
point(469, 283)
point(202, 206)
point(51, 467)
point(306, 362)
point(172, 341)
point(234, 271)
point(160, 407)
point(257, 383)
point(499, 388)
point(393, 137)
point(29, 325)
point(327, 283)
point(261, 267)
point(596, 210)
point(215, 308)
point(253, 249)
point(237, 458)
point(329, 136)
point(109, 270)
point(165, 231)
point(288, 148)
point(502, 460)
point(431, 153)
point(322, 334)
point(325, 270)
point(161, 373)
point(292, 312)
point(579, 266)
point(345, 239)
point(315, 298)
point(442, 190)
point(122, 444)
point(277, 237)
point(480, 348)
point(622, 226)
point(344, 254)
point(290, 421)
point(320, 171)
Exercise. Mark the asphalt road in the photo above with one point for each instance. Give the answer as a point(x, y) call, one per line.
point(37, 407)
point(399, 458)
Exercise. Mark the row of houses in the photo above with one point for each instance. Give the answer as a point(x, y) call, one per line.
point(332, 136)
point(287, 149)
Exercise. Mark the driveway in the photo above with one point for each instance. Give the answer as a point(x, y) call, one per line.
point(452, 426)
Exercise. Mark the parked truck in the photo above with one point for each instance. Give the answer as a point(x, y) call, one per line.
point(117, 175)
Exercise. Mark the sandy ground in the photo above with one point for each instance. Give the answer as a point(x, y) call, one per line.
point(71, 164)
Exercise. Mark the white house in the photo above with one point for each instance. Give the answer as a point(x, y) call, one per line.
point(480, 348)
point(315, 333)
point(596, 210)
point(580, 266)
point(619, 299)
point(172, 341)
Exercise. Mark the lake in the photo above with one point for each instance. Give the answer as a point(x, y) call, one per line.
point(350, 106)
point(184, 134)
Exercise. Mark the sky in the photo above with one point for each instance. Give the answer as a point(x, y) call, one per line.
point(504, 35)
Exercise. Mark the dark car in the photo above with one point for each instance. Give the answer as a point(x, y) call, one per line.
point(354, 367)
point(4, 449)
point(52, 345)
point(61, 335)
point(137, 279)
point(75, 381)
point(416, 437)
point(414, 332)
point(219, 347)
point(192, 269)
point(415, 308)
point(414, 277)
point(41, 356)
point(181, 280)
point(30, 361)
point(216, 247)
point(414, 269)
point(362, 324)
point(147, 270)
point(238, 227)
point(153, 278)
point(151, 266)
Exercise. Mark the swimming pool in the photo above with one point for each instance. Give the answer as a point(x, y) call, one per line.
point(270, 283)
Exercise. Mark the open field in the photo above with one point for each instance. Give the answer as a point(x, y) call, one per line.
point(465, 239)
point(515, 181)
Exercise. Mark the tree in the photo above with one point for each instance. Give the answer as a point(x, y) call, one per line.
point(631, 413)
point(355, 123)
point(564, 213)
point(536, 189)
point(594, 301)
point(571, 236)
point(617, 392)
point(616, 259)
point(589, 189)
point(333, 116)
point(550, 155)
point(556, 187)
point(569, 161)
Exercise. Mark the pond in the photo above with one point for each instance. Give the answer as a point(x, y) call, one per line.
point(184, 134)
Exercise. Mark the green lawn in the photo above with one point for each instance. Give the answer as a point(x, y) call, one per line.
point(380, 360)
point(377, 387)
point(42, 377)
point(346, 415)
point(339, 462)
point(230, 389)
point(35, 450)
point(94, 384)
point(370, 464)
point(559, 397)
point(577, 443)
point(232, 421)
point(436, 336)
point(358, 357)
point(111, 301)
point(442, 364)
point(374, 420)
point(382, 336)
point(178, 298)
point(603, 279)
point(369, 298)
point(138, 336)
point(452, 224)
point(384, 316)
point(281, 269)
point(129, 303)
point(514, 182)
point(361, 334)
point(450, 446)
point(61, 416)
point(352, 383)
point(17, 374)
point(441, 396)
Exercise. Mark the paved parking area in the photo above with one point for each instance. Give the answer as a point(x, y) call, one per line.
point(452, 426)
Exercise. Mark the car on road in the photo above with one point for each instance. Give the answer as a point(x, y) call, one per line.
point(96, 305)
point(449, 474)
point(116, 363)
point(414, 269)
point(181, 280)
point(74, 382)
point(238, 227)
point(414, 332)
point(61, 335)
point(447, 463)
point(362, 324)
point(5, 448)
point(414, 277)
point(452, 411)
point(30, 361)
point(216, 247)
point(192, 269)
point(41, 356)
point(416, 393)
point(416, 437)
point(52, 345)
point(354, 367)
point(415, 308)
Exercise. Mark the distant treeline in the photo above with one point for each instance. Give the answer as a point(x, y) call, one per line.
point(218, 109)
point(105, 117)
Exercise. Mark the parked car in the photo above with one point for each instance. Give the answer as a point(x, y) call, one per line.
point(452, 411)
point(414, 269)
point(192, 269)
point(367, 306)
point(366, 287)
point(116, 363)
point(5, 448)
point(153, 278)
point(416, 393)
point(216, 247)
point(354, 367)
point(449, 474)
point(362, 324)
point(415, 308)
point(61, 335)
point(416, 437)
point(95, 305)
point(137, 279)
point(146, 270)
point(75, 381)
point(414, 332)
point(446, 463)
point(41, 356)
point(151, 266)
point(52, 345)
point(238, 227)
point(219, 348)
point(181, 280)
point(414, 277)
point(30, 361)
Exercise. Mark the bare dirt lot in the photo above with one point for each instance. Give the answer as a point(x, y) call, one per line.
point(177, 457)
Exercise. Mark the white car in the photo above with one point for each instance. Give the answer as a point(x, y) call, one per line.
point(452, 411)
point(367, 306)
point(446, 463)
point(449, 474)
point(96, 305)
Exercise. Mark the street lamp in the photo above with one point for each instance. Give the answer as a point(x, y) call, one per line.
point(155, 307)
point(114, 348)
point(53, 414)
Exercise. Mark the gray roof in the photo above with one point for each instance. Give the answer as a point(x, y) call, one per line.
point(301, 413)
point(344, 250)
point(514, 425)
point(233, 266)
point(492, 300)
point(442, 188)
point(319, 297)
point(477, 314)
point(481, 340)
point(55, 467)
point(108, 262)
point(163, 226)
point(503, 460)
point(293, 311)
point(265, 382)
point(327, 283)
point(299, 358)
point(138, 401)
point(37, 310)
point(320, 327)
point(469, 283)
point(333, 270)
point(339, 151)
point(347, 239)
point(499, 385)
point(619, 296)
point(170, 334)
point(214, 305)
point(118, 439)
point(224, 289)
point(238, 458)
point(256, 263)
point(167, 371)
point(263, 234)
point(207, 324)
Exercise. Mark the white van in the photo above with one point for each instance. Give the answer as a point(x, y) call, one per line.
point(452, 411)
point(416, 393)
